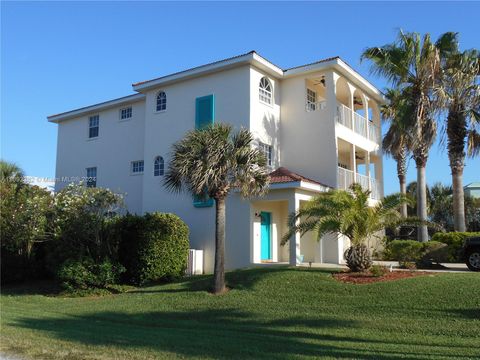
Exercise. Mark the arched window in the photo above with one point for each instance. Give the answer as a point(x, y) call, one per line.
point(158, 166)
point(265, 90)
point(161, 101)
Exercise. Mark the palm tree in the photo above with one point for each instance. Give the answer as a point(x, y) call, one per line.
point(440, 205)
point(412, 64)
point(211, 162)
point(347, 213)
point(459, 94)
point(397, 140)
point(11, 174)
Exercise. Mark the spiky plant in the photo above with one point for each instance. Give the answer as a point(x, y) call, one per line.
point(347, 212)
point(211, 162)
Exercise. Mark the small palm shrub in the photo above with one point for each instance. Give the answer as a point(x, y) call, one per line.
point(358, 257)
point(348, 213)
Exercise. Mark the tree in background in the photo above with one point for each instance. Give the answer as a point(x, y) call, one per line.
point(397, 140)
point(458, 92)
point(25, 220)
point(211, 162)
point(412, 64)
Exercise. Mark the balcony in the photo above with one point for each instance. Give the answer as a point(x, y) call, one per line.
point(356, 122)
point(346, 177)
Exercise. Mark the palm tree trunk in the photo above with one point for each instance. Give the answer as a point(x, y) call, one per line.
point(403, 191)
point(422, 233)
point(219, 270)
point(458, 202)
point(401, 159)
point(457, 132)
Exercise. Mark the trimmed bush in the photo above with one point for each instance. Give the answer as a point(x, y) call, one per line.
point(153, 247)
point(455, 241)
point(86, 274)
point(404, 250)
point(434, 252)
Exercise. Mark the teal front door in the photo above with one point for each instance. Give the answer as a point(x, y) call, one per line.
point(265, 235)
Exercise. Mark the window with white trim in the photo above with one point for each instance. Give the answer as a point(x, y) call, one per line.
point(161, 101)
point(265, 91)
point(266, 150)
point(158, 166)
point(311, 100)
point(137, 167)
point(93, 126)
point(126, 113)
point(91, 177)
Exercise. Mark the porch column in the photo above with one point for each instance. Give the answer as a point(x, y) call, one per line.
point(331, 94)
point(354, 164)
point(294, 241)
point(367, 165)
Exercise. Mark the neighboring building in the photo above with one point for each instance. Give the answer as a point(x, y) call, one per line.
point(318, 124)
point(472, 190)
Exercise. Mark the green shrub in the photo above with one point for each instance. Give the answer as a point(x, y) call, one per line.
point(86, 274)
point(434, 252)
point(454, 240)
point(404, 250)
point(152, 247)
point(378, 270)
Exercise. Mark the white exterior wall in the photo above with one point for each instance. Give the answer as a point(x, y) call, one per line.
point(231, 90)
point(318, 160)
point(118, 143)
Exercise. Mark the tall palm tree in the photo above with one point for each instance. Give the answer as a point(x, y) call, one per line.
point(459, 93)
point(211, 162)
point(412, 64)
point(397, 140)
point(348, 213)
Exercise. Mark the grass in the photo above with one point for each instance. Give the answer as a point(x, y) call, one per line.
point(276, 313)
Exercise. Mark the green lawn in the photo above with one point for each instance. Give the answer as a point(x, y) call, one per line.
point(276, 313)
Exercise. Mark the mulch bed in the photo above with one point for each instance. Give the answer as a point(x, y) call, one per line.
point(367, 278)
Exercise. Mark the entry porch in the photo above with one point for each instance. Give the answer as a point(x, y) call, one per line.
point(288, 193)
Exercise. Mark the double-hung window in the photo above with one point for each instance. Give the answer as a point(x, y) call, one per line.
point(92, 177)
point(137, 167)
point(267, 151)
point(311, 100)
point(93, 126)
point(126, 113)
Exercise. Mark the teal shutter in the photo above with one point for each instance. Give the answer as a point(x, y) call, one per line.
point(204, 116)
point(204, 111)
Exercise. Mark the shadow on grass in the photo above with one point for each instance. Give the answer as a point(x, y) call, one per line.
point(239, 280)
point(220, 334)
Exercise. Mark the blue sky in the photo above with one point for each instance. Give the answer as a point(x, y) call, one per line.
point(57, 56)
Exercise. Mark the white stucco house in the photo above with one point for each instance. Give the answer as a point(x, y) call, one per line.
point(318, 124)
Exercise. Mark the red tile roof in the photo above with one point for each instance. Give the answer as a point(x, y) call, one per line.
point(283, 175)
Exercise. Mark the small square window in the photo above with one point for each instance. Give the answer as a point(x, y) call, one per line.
point(93, 126)
point(137, 167)
point(126, 113)
point(92, 177)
